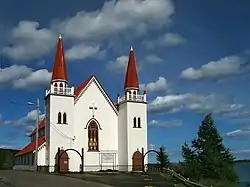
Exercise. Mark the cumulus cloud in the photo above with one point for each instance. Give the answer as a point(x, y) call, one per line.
point(215, 69)
point(22, 77)
point(83, 51)
point(196, 103)
point(119, 65)
point(117, 17)
point(168, 39)
point(165, 124)
point(28, 41)
point(159, 85)
point(153, 59)
point(26, 123)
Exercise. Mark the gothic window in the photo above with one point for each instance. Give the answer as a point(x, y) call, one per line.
point(59, 118)
point(93, 138)
point(139, 122)
point(64, 118)
point(55, 85)
point(134, 122)
point(134, 95)
point(61, 87)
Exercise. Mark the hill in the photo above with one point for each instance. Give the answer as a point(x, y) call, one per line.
point(7, 158)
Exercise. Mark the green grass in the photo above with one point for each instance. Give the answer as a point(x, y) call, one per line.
point(217, 183)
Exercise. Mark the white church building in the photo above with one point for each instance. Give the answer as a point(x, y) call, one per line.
point(112, 135)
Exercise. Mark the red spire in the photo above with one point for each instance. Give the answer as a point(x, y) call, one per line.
point(59, 70)
point(131, 79)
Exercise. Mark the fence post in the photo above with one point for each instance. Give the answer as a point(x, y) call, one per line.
point(82, 158)
point(142, 163)
point(58, 160)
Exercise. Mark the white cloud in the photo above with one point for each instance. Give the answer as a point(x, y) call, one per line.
point(168, 39)
point(22, 77)
point(224, 67)
point(238, 133)
point(27, 123)
point(172, 39)
point(153, 59)
point(119, 65)
point(196, 103)
point(116, 17)
point(29, 41)
point(160, 85)
point(165, 124)
point(82, 51)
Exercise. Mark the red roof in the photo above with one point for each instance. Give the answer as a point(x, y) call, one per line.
point(40, 126)
point(31, 146)
point(59, 70)
point(131, 79)
point(82, 86)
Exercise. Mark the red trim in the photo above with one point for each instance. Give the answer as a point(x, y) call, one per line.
point(31, 146)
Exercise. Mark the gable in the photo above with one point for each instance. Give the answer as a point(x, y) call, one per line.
point(79, 92)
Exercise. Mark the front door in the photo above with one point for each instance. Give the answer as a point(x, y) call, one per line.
point(64, 161)
point(137, 161)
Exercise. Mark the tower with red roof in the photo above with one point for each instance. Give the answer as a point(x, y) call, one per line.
point(132, 119)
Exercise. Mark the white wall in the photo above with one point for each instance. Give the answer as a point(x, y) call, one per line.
point(60, 135)
point(106, 117)
point(135, 138)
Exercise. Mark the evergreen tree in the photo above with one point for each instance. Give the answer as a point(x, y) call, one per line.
point(164, 158)
point(207, 155)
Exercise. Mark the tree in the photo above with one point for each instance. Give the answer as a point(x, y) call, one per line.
point(164, 158)
point(207, 157)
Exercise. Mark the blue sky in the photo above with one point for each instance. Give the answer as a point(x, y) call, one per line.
point(192, 56)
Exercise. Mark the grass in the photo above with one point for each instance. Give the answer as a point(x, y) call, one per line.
point(217, 183)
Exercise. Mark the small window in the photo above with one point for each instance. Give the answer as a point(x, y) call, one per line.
point(59, 118)
point(64, 118)
point(139, 122)
point(134, 122)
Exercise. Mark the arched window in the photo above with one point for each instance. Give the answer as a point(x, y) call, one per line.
point(134, 122)
point(64, 118)
point(134, 95)
point(59, 118)
point(61, 87)
point(93, 139)
point(139, 122)
point(55, 86)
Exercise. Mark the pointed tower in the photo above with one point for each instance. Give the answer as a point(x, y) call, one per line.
point(132, 121)
point(59, 99)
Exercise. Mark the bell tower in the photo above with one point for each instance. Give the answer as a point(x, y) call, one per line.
point(132, 120)
point(59, 99)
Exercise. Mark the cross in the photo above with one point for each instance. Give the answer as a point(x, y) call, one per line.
point(93, 108)
point(152, 146)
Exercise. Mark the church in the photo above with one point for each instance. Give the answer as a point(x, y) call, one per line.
point(91, 131)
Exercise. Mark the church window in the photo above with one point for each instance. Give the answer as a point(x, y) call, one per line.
point(59, 118)
point(134, 122)
point(64, 118)
point(93, 138)
point(55, 85)
point(61, 86)
point(134, 94)
point(139, 122)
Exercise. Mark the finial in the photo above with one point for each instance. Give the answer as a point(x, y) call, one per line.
point(131, 48)
point(60, 36)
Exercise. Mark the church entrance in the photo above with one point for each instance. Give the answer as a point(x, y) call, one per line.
point(64, 161)
point(137, 161)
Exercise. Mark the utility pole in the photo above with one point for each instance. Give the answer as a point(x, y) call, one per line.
point(37, 124)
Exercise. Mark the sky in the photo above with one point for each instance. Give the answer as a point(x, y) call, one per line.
point(192, 56)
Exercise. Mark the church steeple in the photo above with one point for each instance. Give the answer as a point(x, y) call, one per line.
point(59, 80)
point(59, 70)
point(131, 83)
point(131, 79)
